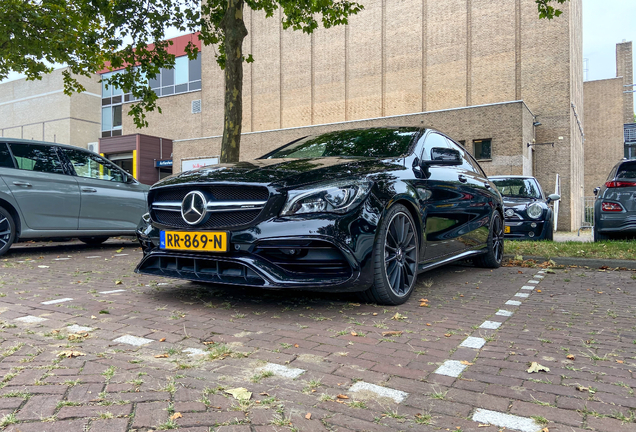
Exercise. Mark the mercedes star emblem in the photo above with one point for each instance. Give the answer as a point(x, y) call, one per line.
point(194, 208)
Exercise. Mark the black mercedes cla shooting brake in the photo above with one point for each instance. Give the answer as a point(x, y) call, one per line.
point(361, 210)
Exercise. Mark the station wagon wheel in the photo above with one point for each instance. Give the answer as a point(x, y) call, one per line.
point(7, 231)
point(396, 254)
point(495, 244)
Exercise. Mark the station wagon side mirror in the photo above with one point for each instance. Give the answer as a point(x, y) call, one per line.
point(443, 156)
point(596, 190)
point(553, 197)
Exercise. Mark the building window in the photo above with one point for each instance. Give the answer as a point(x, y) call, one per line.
point(482, 149)
point(630, 140)
point(185, 77)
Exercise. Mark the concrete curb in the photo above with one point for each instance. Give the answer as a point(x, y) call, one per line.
point(582, 262)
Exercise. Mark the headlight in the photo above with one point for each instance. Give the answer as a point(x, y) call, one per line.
point(534, 210)
point(332, 197)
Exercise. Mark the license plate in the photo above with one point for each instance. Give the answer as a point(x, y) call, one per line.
point(507, 230)
point(194, 241)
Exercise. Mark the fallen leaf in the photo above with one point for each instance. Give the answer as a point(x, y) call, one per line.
point(545, 429)
point(118, 282)
point(354, 304)
point(55, 331)
point(467, 363)
point(398, 317)
point(536, 367)
point(600, 292)
point(447, 334)
point(423, 300)
point(296, 346)
point(240, 393)
point(70, 354)
point(354, 333)
point(391, 333)
point(620, 361)
point(570, 357)
point(538, 290)
point(264, 394)
point(428, 324)
point(175, 416)
point(582, 389)
point(308, 416)
point(208, 343)
point(341, 396)
point(375, 314)
point(120, 250)
point(93, 317)
point(162, 340)
point(164, 355)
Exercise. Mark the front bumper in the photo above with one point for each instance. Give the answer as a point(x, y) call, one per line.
point(327, 253)
point(523, 230)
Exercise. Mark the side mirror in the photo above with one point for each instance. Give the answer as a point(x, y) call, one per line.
point(553, 197)
point(444, 157)
point(596, 190)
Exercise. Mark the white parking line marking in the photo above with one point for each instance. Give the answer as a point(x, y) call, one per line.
point(513, 303)
point(509, 421)
point(523, 295)
point(79, 329)
point(194, 351)
point(30, 319)
point(51, 302)
point(133, 340)
point(528, 287)
point(451, 368)
point(111, 292)
point(533, 281)
point(473, 342)
point(397, 395)
point(538, 276)
point(120, 255)
point(491, 325)
point(503, 312)
point(61, 259)
point(91, 257)
point(281, 370)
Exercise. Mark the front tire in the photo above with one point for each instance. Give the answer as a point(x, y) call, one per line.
point(549, 231)
point(7, 231)
point(396, 258)
point(93, 241)
point(494, 256)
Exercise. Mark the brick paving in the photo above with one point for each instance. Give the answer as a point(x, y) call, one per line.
point(155, 354)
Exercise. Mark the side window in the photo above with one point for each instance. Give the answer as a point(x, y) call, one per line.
point(6, 161)
point(36, 157)
point(90, 166)
point(433, 140)
point(465, 156)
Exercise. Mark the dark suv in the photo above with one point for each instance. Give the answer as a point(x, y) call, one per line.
point(615, 206)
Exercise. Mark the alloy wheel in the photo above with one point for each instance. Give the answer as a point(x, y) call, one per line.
point(400, 254)
point(5, 231)
point(497, 238)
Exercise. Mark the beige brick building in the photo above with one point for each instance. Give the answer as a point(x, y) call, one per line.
point(399, 58)
point(40, 110)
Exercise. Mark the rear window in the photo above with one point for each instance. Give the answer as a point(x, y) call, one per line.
point(626, 171)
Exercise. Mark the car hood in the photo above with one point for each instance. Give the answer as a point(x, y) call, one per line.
point(285, 173)
point(519, 203)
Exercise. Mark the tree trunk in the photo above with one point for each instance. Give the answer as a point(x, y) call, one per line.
point(235, 31)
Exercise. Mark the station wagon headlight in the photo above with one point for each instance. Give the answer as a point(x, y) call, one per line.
point(534, 210)
point(332, 197)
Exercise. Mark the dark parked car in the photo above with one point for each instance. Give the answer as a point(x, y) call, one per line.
point(615, 204)
point(527, 211)
point(57, 191)
point(358, 210)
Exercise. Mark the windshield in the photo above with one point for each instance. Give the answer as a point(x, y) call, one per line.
point(518, 187)
point(376, 143)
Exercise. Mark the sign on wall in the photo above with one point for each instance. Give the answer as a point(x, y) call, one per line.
point(187, 165)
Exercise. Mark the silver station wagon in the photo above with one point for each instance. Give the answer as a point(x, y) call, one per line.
point(53, 191)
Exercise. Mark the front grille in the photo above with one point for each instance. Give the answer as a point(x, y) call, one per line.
point(226, 219)
point(215, 192)
point(305, 257)
point(216, 220)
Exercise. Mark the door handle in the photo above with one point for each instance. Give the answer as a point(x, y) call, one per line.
point(89, 190)
point(21, 183)
point(462, 178)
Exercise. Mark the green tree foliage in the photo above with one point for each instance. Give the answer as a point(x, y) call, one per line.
point(89, 35)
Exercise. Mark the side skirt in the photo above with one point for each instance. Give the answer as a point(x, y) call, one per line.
point(461, 256)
